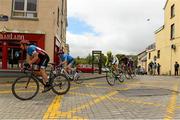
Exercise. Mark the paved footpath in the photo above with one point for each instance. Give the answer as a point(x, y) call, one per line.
point(145, 97)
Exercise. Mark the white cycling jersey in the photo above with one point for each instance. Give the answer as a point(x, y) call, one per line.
point(115, 61)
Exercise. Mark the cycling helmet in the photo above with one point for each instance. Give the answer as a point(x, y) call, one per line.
point(109, 53)
point(24, 42)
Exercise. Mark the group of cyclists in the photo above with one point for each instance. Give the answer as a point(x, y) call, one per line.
point(40, 57)
point(126, 64)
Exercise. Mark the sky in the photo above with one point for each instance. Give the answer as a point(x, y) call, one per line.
point(119, 26)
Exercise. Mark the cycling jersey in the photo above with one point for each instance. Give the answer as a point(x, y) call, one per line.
point(33, 49)
point(115, 61)
point(43, 56)
point(66, 57)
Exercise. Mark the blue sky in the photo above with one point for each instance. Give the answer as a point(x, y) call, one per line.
point(79, 27)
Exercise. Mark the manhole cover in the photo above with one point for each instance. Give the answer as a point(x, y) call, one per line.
point(141, 92)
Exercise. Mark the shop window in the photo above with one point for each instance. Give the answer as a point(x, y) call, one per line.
point(172, 31)
point(172, 11)
point(24, 8)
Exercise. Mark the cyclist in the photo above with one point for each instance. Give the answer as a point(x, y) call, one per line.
point(130, 65)
point(112, 60)
point(66, 60)
point(39, 57)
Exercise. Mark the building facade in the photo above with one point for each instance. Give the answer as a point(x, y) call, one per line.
point(167, 39)
point(42, 22)
point(142, 60)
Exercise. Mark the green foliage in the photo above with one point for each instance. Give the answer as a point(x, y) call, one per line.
point(88, 59)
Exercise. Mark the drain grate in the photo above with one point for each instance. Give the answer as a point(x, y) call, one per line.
point(143, 92)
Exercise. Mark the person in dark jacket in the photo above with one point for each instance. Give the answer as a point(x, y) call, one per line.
point(176, 67)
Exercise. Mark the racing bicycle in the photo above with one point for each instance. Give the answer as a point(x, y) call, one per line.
point(112, 76)
point(73, 76)
point(27, 86)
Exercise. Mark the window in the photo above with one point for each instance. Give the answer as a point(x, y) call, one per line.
point(24, 8)
point(172, 11)
point(62, 8)
point(58, 17)
point(158, 54)
point(149, 55)
point(172, 31)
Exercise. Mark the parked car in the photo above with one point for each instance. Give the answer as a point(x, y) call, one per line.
point(86, 69)
point(141, 71)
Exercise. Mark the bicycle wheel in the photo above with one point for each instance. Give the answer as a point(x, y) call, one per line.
point(25, 88)
point(60, 84)
point(77, 78)
point(121, 77)
point(110, 78)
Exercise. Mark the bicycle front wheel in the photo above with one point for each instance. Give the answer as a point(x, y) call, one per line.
point(110, 78)
point(25, 88)
point(60, 84)
point(121, 77)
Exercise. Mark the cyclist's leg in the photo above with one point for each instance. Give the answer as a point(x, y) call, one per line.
point(43, 64)
point(69, 66)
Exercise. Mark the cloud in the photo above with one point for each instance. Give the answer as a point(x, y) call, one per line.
point(122, 25)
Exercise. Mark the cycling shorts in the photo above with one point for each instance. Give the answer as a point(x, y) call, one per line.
point(43, 61)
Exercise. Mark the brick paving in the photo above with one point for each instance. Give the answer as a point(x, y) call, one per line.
point(145, 97)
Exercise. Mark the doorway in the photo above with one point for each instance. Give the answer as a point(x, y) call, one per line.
point(13, 58)
point(0, 57)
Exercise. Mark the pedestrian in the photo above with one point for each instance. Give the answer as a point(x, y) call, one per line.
point(154, 68)
point(158, 68)
point(176, 67)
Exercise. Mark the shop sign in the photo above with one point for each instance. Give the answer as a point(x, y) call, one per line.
point(11, 36)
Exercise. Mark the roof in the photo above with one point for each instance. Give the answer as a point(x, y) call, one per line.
point(151, 47)
point(142, 52)
point(159, 29)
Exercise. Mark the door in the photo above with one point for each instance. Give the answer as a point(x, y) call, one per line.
point(13, 57)
point(0, 57)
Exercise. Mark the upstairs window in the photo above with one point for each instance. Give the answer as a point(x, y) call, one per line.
point(149, 55)
point(172, 31)
point(58, 17)
point(62, 7)
point(172, 11)
point(158, 54)
point(24, 8)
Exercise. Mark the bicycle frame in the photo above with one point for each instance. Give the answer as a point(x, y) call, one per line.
point(34, 76)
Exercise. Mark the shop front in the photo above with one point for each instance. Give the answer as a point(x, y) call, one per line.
point(11, 55)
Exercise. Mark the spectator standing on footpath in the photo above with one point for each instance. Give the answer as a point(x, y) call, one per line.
point(158, 68)
point(154, 68)
point(176, 67)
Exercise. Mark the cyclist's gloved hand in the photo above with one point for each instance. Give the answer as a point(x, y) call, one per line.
point(26, 65)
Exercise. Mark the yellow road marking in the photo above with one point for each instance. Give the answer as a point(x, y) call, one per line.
point(53, 108)
point(178, 107)
point(171, 107)
point(19, 91)
point(135, 101)
point(95, 101)
point(55, 113)
point(82, 94)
